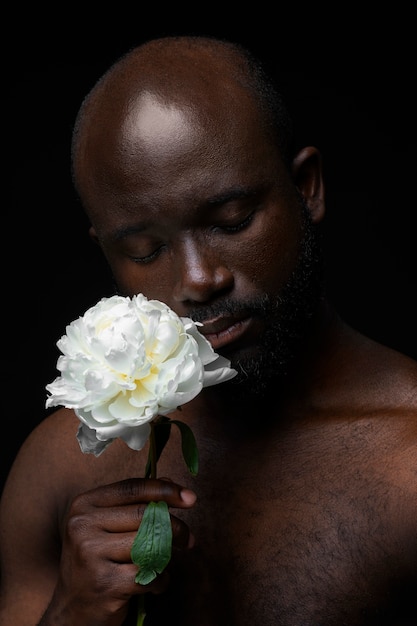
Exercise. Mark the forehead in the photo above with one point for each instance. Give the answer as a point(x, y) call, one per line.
point(143, 148)
point(149, 121)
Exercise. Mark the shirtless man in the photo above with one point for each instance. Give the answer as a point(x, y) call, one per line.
point(304, 511)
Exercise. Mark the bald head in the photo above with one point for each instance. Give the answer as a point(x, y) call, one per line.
point(183, 161)
point(158, 83)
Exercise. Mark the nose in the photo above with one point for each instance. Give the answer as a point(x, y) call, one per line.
point(199, 272)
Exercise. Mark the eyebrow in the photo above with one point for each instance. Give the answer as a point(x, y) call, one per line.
point(235, 193)
point(121, 233)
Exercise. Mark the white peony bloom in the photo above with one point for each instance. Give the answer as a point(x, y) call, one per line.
point(126, 361)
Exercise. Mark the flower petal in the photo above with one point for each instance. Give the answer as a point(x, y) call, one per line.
point(126, 361)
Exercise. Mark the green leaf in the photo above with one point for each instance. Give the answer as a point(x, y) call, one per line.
point(189, 447)
point(151, 549)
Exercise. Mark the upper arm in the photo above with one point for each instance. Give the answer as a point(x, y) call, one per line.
point(29, 532)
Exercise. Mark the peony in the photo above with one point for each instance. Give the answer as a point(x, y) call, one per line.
point(125, 364)
point(126, 361)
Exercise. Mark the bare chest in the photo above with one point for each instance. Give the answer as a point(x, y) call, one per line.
point(292, 537)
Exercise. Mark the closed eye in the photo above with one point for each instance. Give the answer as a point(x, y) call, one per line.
point(236, 227)
point(149, 257)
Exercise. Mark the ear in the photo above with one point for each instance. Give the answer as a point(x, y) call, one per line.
point(307, 174)
point(93, 234)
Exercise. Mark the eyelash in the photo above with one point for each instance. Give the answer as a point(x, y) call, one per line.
point(149, 258)
point(237, 227)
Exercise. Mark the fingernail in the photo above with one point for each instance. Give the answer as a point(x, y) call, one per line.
point(188, 496)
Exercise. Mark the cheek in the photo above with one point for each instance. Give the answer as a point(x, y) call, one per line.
point(132, 278)
point(271, 256)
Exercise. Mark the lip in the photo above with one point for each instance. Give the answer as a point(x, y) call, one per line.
point(224, 331)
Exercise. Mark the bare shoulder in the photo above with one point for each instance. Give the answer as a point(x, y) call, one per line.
point(44, 455)
point(48, 472)
point(381, 409)
point(372, 373)
point(53, 449)
point(50, 469)
point(399, 375)
point(381, 436)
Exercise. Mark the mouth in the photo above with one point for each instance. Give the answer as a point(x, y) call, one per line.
point(224, 331)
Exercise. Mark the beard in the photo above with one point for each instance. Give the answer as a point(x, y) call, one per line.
point(287, 319)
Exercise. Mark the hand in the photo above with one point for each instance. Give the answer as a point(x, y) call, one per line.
point(97, 576)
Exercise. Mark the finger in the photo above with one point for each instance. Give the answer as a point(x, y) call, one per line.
point(120, 579)
point(112, 534)
point(134, 490)
point(121, 542)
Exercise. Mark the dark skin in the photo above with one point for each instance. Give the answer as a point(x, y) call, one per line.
point(305, 506)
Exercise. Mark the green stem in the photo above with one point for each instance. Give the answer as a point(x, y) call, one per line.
point(152, 457)
point(152, 452)
point(141, 611)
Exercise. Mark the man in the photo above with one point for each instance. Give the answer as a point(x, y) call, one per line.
point(305, 506)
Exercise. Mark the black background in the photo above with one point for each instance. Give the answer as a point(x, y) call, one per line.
point(350, 80)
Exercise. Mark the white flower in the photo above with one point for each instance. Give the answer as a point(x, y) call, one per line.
point(126, 361)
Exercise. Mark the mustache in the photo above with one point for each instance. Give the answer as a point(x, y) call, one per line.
point(259, 306)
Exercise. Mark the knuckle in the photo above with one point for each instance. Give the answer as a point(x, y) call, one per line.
point(76, 525)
